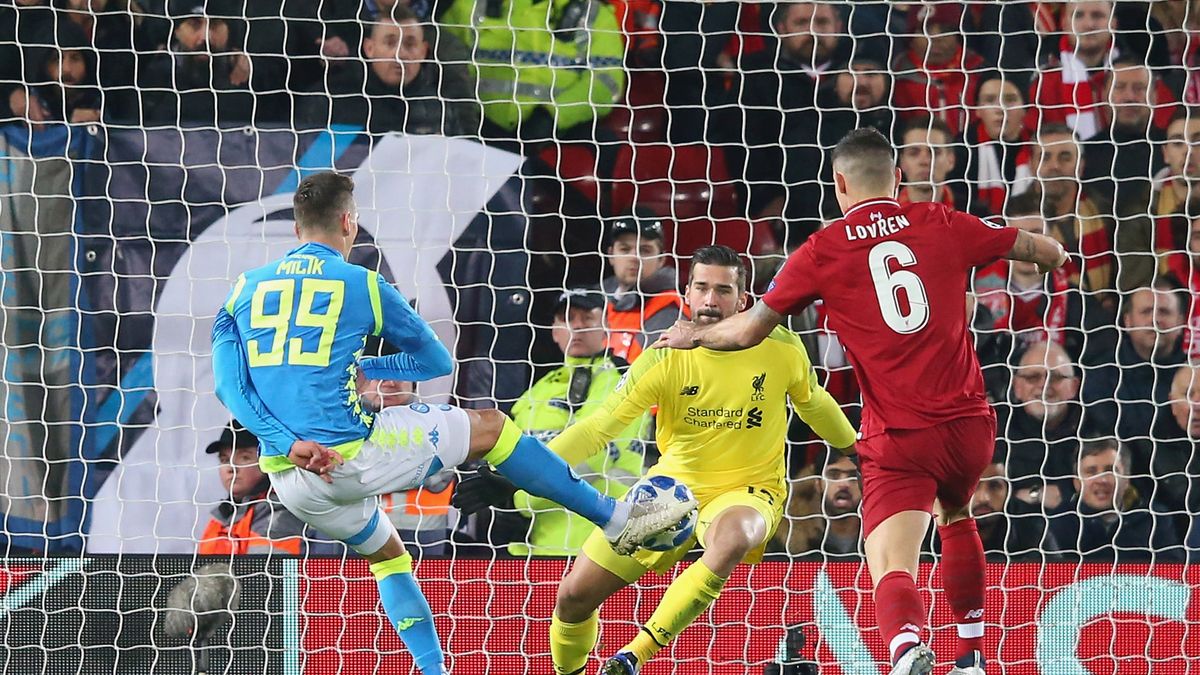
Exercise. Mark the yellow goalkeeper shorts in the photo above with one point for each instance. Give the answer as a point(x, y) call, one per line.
point(767, 501)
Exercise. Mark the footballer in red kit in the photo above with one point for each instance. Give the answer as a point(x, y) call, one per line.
point(893, 279)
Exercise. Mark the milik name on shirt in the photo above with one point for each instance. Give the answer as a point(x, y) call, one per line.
point(878, 228)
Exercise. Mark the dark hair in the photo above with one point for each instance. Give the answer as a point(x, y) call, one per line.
point(721, 256)
point(321, 199)
point(1093, 448)
point(1027, 203)
point(1163, 285)
point(399, 14)
point(1054, 129)
point(866, 155)
point(1184, 112)
point(1128, 62)
point(927, 123)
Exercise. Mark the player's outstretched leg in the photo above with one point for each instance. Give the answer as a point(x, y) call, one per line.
point(963, 570)
point(533, 467)
point(734, 533)
point(408, 612)
point(893, 549)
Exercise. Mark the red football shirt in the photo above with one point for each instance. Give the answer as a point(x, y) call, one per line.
point(894, 281)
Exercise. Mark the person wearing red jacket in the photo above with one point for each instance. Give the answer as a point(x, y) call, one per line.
point(937, 74)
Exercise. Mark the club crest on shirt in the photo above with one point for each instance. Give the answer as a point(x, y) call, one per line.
point(758, 383)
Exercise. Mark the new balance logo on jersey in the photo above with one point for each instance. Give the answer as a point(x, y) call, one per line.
point(690, 390)
point(975, 614)
point(758, 383)
point(753, 418)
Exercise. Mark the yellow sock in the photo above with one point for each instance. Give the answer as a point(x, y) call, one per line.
point(686, 598)
point(570, 643)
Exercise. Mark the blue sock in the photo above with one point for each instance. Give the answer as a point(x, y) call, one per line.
point(534, 468)
point(409, 613)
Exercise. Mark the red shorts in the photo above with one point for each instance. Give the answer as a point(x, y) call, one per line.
point(906, 469)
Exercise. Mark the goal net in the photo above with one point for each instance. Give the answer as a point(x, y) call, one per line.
point(500, 150)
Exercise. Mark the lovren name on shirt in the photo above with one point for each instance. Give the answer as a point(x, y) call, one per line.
point(877, 228)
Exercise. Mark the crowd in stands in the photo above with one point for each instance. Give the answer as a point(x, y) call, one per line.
point(1077, 119)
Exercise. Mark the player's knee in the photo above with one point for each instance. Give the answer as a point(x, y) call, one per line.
point(575, 602)
point(736, 534)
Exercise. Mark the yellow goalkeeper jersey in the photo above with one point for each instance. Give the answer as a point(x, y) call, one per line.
point(722, 416)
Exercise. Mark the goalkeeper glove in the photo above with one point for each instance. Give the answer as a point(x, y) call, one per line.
point(482, 489)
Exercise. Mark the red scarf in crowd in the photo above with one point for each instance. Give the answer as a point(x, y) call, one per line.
point(1028, 315)
point(993, 174)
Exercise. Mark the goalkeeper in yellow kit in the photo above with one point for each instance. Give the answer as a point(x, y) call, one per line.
point(722, 421)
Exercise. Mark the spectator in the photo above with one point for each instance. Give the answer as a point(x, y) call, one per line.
point(24, 25)
point(1070, 88)
point(779, 94)
point(1039, 430)
point(1184, 268)
point(926, 159)
point(995, 151)
point(695, 37)
point(63, 84)
point(1074, 216)
point(115, 29)
point(1175, 186)
point(1018, 306)
point(251, 520)
point(570, 70)
point(1107, 519)
point(823, 510)
point(858, 99)
point(565, 395)
point(1121, 160)
point(204, 78)
point(1010, 524)
point(1121, 156)
point(399, 88)
point(937, 74)
point(1176, 459)
point(1127, 392)
point(643, 300)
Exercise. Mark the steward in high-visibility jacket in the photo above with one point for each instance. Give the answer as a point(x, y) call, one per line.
point(561, 398)
point(561, 57)
point(643, 300)
point(251, 520)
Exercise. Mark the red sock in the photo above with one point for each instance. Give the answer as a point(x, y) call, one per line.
point(899, 612)
point(963, 566)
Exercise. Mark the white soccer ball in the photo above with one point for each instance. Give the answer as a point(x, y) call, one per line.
point(660, 489)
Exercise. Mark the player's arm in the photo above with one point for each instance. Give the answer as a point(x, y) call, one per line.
point(235, 390)
point(1038, 248)
point(638, 390)
point(740, 331)
point(813, 404)
point(422, 355)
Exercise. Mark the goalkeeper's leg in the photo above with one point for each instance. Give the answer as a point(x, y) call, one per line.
point(735, 532)
point(576, 624)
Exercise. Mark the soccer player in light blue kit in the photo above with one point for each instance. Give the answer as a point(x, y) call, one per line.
point(287, 349)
